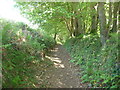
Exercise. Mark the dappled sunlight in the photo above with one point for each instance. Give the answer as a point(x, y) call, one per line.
point(59, 65)
point(34, 85)
point(57, 61)
point(54, 50)
point(59, 43)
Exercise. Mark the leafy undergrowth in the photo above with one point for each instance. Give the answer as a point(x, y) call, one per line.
point(21, 53)
point(99, 65)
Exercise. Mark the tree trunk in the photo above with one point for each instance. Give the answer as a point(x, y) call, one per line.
point(93, 25)
point(76, 30)
point(55, 35)
point(72, 26)
point(114, 28)
point(94, 20)
point(81, 30)
point(119, 19)
point(68, 27)
point(110, 17)
point(76, 22)
point(102, 20)
point(70, 9)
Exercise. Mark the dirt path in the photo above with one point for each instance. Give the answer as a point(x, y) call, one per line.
point(62, 74)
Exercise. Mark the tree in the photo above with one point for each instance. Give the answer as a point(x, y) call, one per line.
point(116, 6)
point(110, 17)
point(94, 19)
point(73, 18)
point(72, 14)
point(102, 20)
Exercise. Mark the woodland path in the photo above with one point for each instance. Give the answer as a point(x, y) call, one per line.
point(62, 74)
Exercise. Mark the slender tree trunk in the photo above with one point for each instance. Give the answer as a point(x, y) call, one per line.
point(76, 30)
point(102, 20)
point(72, 26)
point(55, 35)
point(70, 9)
point(94, 20)
point(81, 30)
point(68, 27)
point(110, 17)
point(78, 25)
point(93, 24)
point(76, 21)
point(119, 19)
point(114, 28)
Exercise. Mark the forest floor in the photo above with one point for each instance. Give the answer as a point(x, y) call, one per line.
point(62, 73)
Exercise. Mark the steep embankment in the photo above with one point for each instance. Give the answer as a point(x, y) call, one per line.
point(99, 65)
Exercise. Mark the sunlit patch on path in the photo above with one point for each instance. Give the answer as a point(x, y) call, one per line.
point(57, 62)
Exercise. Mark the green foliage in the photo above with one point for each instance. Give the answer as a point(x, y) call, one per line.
point(16, 68)
point(61, 21)
point(99, 65)
point(19, 51)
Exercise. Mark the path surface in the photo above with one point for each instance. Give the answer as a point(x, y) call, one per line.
point(62, 74)
point(57, 72)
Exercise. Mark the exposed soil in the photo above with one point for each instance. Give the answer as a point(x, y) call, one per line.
point(62, 73)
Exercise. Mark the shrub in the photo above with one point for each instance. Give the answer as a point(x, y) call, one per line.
point(19, 51)
point(99, 66)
